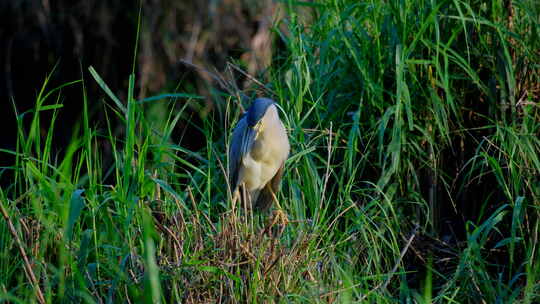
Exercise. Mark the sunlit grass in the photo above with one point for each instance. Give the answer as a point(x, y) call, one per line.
point(413, 176)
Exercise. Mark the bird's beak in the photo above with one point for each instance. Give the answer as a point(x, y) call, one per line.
point(258, 129)
point(250, 133)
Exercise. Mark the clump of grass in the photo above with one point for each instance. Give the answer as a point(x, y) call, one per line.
point(413, 177)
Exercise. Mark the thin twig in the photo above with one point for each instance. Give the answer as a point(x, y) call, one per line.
point(238, 69)
point(214, 76)
point(402, 254)
point(29, 272)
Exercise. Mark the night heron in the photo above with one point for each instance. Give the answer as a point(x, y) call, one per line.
point(257, 154)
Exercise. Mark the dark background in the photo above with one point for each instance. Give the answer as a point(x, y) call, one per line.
point(63, 38)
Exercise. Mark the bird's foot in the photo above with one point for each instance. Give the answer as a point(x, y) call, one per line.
point(280, 218)
point(277, 223)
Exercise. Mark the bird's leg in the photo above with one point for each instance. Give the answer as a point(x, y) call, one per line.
point(243, 200)
point(279, 219)
point(246, 205)
point(235, 197)
point(279, 213)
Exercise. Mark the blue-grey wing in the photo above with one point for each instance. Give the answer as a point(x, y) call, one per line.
point(235, 151)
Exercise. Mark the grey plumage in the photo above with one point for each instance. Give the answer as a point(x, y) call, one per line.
point(257, 153)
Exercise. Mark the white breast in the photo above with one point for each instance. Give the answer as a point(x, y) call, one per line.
point(270, 150)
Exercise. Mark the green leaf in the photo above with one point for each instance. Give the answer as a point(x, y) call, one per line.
point(76, 206)
point(105, 88)
point(218, 270)
point(166, 96)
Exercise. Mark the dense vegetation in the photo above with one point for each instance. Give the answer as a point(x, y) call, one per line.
point(414, 174)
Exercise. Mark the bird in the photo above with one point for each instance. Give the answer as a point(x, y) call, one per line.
point(257, 153)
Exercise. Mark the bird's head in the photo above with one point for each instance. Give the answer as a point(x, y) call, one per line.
point(256, 112)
